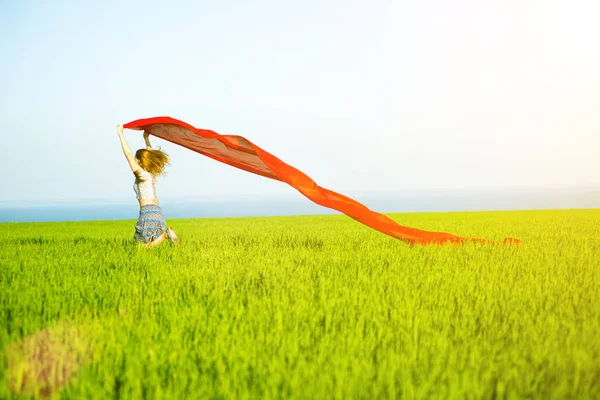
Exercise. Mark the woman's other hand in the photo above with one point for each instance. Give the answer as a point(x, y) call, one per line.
point(147, 140)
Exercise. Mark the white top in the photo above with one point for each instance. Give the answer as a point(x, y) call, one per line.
point(145, 190)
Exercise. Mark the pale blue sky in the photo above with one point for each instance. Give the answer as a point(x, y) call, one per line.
point(363, 96)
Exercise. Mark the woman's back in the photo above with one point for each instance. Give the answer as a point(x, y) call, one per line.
point(146, 190)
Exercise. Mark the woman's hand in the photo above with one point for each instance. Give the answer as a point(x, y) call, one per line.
point(126, 150)
point(147, 140)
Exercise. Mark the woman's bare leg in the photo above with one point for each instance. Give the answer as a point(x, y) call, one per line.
point(156, 242)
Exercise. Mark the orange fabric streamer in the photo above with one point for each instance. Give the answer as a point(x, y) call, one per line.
point(241, 153)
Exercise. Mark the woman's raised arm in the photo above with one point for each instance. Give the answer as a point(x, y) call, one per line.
point(147, 140)
point(126, 150)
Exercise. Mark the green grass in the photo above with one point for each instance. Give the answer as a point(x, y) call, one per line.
point(315, 307)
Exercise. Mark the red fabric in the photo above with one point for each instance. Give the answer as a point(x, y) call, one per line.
point(241, 153)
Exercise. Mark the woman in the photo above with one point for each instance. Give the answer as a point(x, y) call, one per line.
point(151, 228)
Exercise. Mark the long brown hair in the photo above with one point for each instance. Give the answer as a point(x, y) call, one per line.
point(151, 160)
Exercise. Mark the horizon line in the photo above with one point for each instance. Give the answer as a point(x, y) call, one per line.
point(266, 197)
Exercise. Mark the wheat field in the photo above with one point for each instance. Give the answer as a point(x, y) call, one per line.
point(310, 307)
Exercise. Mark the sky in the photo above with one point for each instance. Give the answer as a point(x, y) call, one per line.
point(362, 96)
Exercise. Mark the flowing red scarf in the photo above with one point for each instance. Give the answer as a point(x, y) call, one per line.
point(241, 153)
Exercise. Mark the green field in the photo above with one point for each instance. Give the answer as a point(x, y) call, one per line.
point(313, 307)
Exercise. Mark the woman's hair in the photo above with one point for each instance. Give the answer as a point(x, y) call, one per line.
point(151, 160)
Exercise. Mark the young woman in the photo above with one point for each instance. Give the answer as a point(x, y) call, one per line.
point(151, 228)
